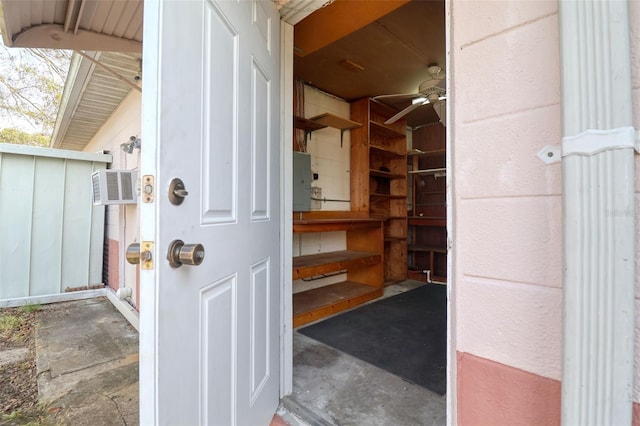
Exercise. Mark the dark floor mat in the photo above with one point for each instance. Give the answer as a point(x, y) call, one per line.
point(405, 335)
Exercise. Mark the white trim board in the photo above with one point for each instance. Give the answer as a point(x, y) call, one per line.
point(127, 311)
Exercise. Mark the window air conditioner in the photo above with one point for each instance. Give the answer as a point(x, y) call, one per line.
point(114, 187)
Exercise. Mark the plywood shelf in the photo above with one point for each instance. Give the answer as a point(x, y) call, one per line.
point(386, 152)
point(427, 224)
point(392, 239)
point(306, 124)
point(426, 153)
point(387, 175)
point(379, 178)
point(390, 196)
point(324, 263)
point(331, 225)
point(330, 120)
point(427, 221)
point(426, 249)
point(385, 131)
point(318, 303)
point(362, 261)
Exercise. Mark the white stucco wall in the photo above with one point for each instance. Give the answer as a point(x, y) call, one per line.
point(122, 219)
point(508, 208)
point(332, 162)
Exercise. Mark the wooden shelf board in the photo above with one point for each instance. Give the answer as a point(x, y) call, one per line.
point(314, 304)
point(306, 124)
point(330, 225)
point(427, 221)
point(426, 153)
point(388, 175)
point(330, 120)
point(324, 263)
point(426, 249)
point(385, 131)
point(386, 151)
point(390, 196)
point(390, 239)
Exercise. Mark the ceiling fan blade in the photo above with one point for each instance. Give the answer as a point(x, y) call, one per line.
point(397, 95)
point(404, 112)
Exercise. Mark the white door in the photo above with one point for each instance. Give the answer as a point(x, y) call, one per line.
point(210, 333)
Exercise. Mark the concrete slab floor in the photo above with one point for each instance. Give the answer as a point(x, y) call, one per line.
point(333, 388)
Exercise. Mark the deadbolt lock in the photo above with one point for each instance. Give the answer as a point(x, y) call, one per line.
point(184, 254)
point(137, 253)
point(177, 191)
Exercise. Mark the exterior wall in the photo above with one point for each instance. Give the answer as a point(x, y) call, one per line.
point(507, 213)
point(51, 234)
point(332, 162)
point(122, 220)
point(634, 20)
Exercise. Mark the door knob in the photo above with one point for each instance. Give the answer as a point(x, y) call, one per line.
point(184, 254)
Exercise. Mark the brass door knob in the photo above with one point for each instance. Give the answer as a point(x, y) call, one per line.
point(180, 254)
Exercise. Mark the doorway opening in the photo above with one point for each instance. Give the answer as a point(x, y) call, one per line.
point(369, 183)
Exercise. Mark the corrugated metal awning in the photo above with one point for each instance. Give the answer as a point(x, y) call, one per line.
point(103, 27)
point(92, 93)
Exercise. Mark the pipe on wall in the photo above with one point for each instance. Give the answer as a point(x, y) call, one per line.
point(598, 212)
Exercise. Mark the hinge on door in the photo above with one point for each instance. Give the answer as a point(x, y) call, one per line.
point(146, 255)
point(148, 188)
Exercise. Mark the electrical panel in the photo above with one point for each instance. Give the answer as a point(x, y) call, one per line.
point(301, 182)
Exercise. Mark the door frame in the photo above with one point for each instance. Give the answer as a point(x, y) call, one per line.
point(286, 170)
point(286, 205)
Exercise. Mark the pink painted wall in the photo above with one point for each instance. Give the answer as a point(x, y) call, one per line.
point(508, 217)
point(508, 211)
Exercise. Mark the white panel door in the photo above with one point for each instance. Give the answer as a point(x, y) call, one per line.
point(210, 333)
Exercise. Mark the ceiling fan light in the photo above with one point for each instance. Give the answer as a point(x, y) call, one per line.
point(418, 100)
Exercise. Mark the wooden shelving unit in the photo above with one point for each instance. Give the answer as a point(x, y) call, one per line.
point(362, 262)
point(379, 179)
point(427, 224)
point(310, 125)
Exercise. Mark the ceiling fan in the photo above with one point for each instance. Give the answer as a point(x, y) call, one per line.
point(430, 91)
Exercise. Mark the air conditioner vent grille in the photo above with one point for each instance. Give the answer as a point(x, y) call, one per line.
point(113, 193)
point(114, 187)
point(127, 187)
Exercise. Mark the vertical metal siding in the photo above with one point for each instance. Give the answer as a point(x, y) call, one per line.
point(51, 234)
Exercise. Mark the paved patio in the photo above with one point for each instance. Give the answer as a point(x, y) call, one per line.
point(87, 363)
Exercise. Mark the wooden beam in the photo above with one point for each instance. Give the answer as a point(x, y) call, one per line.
point(340, 18)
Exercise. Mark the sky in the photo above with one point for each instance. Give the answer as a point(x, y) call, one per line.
point(22, 72)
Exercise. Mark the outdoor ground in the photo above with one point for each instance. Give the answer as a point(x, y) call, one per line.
point(70, 363)
point(18, 380)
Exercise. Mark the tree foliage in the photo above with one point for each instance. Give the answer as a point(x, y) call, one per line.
point(16, 136)
point(31, 84)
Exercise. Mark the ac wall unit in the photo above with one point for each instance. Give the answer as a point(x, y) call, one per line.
point(114, 187)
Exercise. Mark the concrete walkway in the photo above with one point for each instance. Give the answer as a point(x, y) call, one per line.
point(87, 363)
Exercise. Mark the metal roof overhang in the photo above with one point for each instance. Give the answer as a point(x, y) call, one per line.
point(109, 35)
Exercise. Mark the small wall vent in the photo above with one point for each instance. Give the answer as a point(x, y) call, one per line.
point(114, 187)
